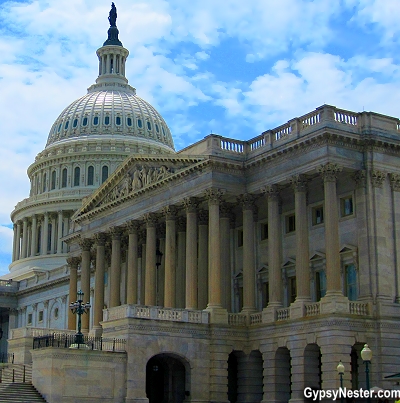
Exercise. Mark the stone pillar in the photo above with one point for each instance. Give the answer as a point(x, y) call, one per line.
point(14, 241)
point(66, 231)
point(180, 278)
point(45, 233)
point(132, 263)
point(115, 270)
point(59, 231)
point(100, 241)
point(217, 313)
point(274, 254)
point(24, 238)
point(170, 256)
point(18, 243)
point(395, 186)
point(249, 271)
point(34, 236)
point(53, 234)
point(226, 217)
point(191, 206)
point(202, 265)
point(150, 281)
point(73, 263)
point(333, 300)
point(85, 244)
point(299, 185)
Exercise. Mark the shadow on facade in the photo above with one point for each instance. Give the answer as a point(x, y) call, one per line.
point(167, 379)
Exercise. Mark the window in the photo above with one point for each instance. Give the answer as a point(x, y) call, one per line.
point(107, 120)
point(148, 125)
point(317, 215)
point(163, 131)
point(40, 316)
point(29, 319)
point(77, 174)
point(66, 125)
point(240, 238)
point(53, 180)
point(320, 284)
point(129, 121)
point(90, 176)
point(139, 123)
point(75, 123)
point(157, 129)
point(56, 312)
point(64, 178)
point(351, 282)
point(104, 173)
point(85, 121)
point(118, 121)
point(96, 120)
point(292, 289)
point(264, 231)
point(290, 223)
point(44, 182)
point(346, 206)
point(59, 127)
point(265, 294)
point(49, 231)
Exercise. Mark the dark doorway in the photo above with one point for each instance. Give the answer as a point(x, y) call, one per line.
point(166, 379)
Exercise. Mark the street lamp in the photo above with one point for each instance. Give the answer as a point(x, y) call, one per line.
point(366, 355)
point(340, 370)
point(78, 308)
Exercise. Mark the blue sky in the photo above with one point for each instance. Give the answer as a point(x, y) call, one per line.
point(231, 67)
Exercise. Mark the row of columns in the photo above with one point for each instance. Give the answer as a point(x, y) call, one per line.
point(26, 231)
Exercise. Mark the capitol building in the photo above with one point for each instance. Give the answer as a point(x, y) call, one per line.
point(229, 271)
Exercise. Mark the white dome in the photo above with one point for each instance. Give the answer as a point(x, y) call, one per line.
point(110, 112)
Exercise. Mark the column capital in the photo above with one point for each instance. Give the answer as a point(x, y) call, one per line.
point(329, 171)
point(272, 192)
point(59, 212)
point(395, 181)
point(247, 201)
point(170, 212)
point(116, 233)
point(191, 204)
point(25, 219)
point(85, 244)
point(360, 177)
point(377, 178)
point(33, 216)
point(100, 239)
point(151, 219)
point(132, 226)
point(203, 217)
point(299, 183)
point(73, 262)
point(214, 196)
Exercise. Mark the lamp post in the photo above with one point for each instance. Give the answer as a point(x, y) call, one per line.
point(366, 355)
point(340, 370)
point(78, 308)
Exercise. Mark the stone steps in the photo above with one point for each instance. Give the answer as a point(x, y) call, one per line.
point(20, 393)
point(15, 373)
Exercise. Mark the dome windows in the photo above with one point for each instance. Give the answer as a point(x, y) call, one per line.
point(107, 120)
point(77, 174)
point(53, 180)
point(59, 127)
point(85, 121)
point(118, 121)
point(104, 173)
point(90, 176)
point(75, 123)
point(163, 131)
point(66, 125)
point(157, 129)
point(64, 178)
point(96, 120)
point(148, 126)
point(129, 122)
point(139, 123)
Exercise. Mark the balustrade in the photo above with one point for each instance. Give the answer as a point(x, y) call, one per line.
point(283, 314)
point(313, 309)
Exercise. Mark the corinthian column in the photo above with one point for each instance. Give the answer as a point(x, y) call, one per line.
point(170, 256)
point(86, 244)
point(217, 313)
point(34, 236)
point(133, 268)
point(59, 231)
point(115, 275)
point(45, 233)
point(24, 238)
point(249, 275)
point(18, 243)
point(191, 206)
point(202, 289)
point(73, 263)
point(150, 280)
point(100, 241)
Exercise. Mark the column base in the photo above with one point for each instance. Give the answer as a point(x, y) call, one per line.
point(298, 309)
point(269, 313)
point(217, 314)
point(96, 331)
point(334, 302)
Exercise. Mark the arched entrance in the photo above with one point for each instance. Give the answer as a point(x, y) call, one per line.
point(166, 379)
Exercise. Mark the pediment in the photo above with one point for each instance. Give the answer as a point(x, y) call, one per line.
point(317, 256)
point(138, 175)
point(289, 263)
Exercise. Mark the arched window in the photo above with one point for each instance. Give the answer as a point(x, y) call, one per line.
point(44, 182)
point(129, 121)
point(107, 120)
point(77, 174)
point(53, 180)
point(64, 178)
point(104, 173)
point(75, 123)
point(148, 126)
point(96, 120)
point(118, 121)
point(90, 176)
point(139, 123)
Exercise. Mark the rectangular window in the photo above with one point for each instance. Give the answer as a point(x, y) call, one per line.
point(40, 316)
point(264, 231)
point(29, 319)
point(351, 282)
point(290, 223)
point(320, 283)
point(317, 215)
point(240, 238)
point(346, 206)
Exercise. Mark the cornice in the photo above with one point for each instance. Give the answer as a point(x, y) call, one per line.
point(46, 285)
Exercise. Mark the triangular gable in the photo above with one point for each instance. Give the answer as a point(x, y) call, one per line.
point(289, 263)
point(348, 248)
point(317, 256)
